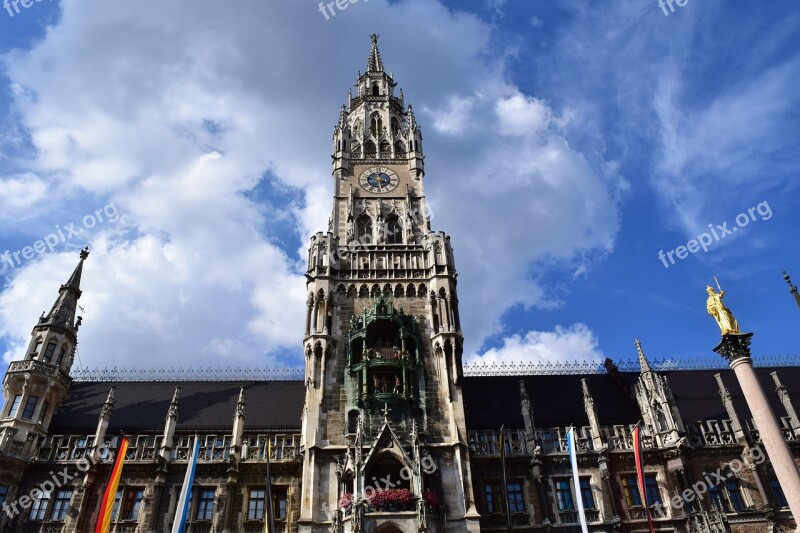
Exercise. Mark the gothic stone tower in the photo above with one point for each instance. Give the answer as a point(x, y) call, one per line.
point(383, 423)
point(34, 386)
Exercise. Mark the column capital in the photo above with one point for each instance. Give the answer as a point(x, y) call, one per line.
point(735, 347)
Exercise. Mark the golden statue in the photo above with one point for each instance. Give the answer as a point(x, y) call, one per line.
point(723, 316)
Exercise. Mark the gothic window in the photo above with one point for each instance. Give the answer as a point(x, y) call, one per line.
point(718, 500)
point(30, 407)
point(37, 347)
point(279, 501)
point(411, 145)
point(735, 494)
point(352, 421)
point(48, 352)
point(564, 495)
point(375, 125)
point(370, 149)
point(586, 493)
point(630, 491)
point(355, 150)
point(399, 149)
point(61, 505)
point(395, 126)
point(39, 508)
point(61, 354)
point(205, 505)
point(661, 420)
point(516, 500)
point(43, 414)
point(364, 229)
point(127, 504)
point(386, 149)
point(651, 489)
point(777, 492)
point(394, 231)
point(12, 411)
point(375, 89)
point(255, 504)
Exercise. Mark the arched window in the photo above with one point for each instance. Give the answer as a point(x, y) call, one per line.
point(364, 229)
point(355, 150)
point(370, 149)
point(386, 149)
point(399, 149)
point(376, 124)
point(394, 231)
point(395, 125)
point(375, 90)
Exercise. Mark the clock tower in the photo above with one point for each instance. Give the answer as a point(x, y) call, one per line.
point(383, 423)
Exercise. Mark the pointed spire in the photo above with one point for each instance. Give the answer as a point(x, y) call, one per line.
point(64, 309)
point(643, 362)
point(173, 405)
point(792, 288)
point(240, 406)
point(374, 64)
point(108, 406)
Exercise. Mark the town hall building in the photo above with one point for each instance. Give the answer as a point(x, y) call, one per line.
point(384, 431)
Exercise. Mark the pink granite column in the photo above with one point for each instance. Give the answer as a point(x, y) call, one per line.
point(771, 435)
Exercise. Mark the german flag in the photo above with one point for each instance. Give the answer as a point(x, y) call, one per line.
point(107, 503)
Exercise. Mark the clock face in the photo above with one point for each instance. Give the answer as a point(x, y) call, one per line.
point(379, 180)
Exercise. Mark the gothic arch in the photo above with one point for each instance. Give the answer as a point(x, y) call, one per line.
point(364, 229)
point(370, 149)
point(411, 291)
point(363, 292)
point(398, 291)
point(375, 124)
point(394, 230)
point(376, 290)
point(351, 290)
point(422, 291)
point(389, 527)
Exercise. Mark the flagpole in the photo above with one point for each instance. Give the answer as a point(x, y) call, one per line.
point(270, 518)
point(637, 456)
point(576, 480)
point(505, 482)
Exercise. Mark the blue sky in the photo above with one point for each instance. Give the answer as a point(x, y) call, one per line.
point(567, 143)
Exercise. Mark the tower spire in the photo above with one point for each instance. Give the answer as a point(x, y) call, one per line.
point(643, 362)
point(374, 63)
point(63, 312)
point(792, 288)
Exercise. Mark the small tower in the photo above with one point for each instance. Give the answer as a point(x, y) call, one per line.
point(656, 403)
point(34, 386)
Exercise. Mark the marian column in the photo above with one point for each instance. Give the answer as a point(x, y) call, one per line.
point(735, 347)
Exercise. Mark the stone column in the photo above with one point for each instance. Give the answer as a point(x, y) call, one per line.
point(735, 347)
point(783, 393)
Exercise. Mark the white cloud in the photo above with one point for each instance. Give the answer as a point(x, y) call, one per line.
point(19, 193)
point(575, 343)
point(178, 117)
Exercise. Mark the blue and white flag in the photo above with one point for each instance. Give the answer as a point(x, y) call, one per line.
point(575, 479)
point(183, 502)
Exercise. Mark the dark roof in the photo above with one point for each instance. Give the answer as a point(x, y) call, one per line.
point(491, 401)
point(204, 405)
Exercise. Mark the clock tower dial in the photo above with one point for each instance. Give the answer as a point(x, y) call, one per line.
point(379, 180)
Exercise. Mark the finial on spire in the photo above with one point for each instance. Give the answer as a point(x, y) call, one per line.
point(792, 288)
point(374, 64)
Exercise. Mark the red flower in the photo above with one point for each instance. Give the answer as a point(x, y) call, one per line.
point(432, 499)
point(346, 500)
point(399, 497)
